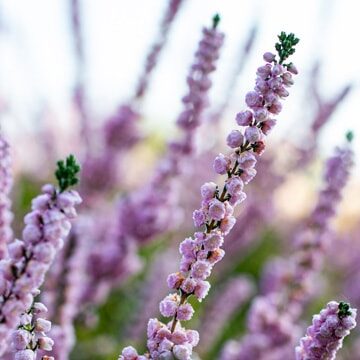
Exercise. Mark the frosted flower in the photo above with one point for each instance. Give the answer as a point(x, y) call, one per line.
point(252, 134)
point(199, 218)
point(208, 190)
point(234, 185)
point(216, 209)
point(244, 118)
point(235, 139)
point(200, 270)
point(185, 312)
point(222, 164)
point(325, 336)
point(168, 306)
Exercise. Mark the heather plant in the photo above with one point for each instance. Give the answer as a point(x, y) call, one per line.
point(202, 251)
point(24, 269)
point(326, 334)
point(86, 290)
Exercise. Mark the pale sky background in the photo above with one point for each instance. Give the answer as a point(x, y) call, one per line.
point(37, 64)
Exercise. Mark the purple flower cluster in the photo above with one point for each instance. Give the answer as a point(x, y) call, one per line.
point(198, 79)
point(120, 130)
point(5, 202)
point(109, 261)
point(269, 329)
point(31, 334)
point(22, 273)
point(67, 290)
point(326, 334)
point(120, 133)
point(203, 250)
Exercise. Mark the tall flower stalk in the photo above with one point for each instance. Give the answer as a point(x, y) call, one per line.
point(31, 335)
point(5, 202)
point(326, 334)
point(46, 227)
point(215, 217)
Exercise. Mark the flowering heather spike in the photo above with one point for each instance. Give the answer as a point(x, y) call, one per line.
point(326, 334)
point(66, 173)
point(215, 218)
point(5, 203)
point(30, 335)
point(21, 275)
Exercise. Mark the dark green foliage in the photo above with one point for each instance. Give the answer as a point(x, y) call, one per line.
point(286, 46)
point(349, 136)
point(344, 309)
point(216, 20)
point(66, 173)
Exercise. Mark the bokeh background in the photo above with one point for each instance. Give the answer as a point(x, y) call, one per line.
point(39, 70)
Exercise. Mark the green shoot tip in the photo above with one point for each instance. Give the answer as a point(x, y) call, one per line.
point(344, 309)
point(286, 46)
point(66, 172)
point(349, 136)
point(216, 19)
